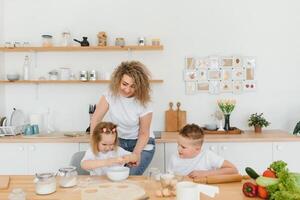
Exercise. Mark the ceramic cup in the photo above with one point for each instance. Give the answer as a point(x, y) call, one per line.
point(28, 130)
point(35, 129)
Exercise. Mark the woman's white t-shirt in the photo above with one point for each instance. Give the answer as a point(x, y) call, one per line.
point(205, 160)
point(126, 113)
point(89, 155)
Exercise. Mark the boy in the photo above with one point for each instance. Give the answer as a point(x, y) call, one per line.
point(195, 162)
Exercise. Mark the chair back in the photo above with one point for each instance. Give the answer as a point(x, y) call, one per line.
point(76, 160)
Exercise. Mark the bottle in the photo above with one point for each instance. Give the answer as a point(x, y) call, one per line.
point(26, 69)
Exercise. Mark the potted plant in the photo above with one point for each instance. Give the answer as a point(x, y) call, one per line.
point(258, 121)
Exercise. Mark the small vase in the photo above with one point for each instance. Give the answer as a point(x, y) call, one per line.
point(227, 122)
point(257, 129)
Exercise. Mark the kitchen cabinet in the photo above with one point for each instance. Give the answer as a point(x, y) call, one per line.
point(288, 152)
point(257, 155)
point(13, 158)
point(158, 160)
point(49, 157)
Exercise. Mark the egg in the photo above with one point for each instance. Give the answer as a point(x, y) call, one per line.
point(173, 182)
point(158, 193)
point(166, 192)
point(173, 192)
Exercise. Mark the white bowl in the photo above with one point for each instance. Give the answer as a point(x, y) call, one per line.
point(118, 173)
point(13, 77)
point(211, 126)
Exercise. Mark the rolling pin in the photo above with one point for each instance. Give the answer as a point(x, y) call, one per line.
point(220, 179)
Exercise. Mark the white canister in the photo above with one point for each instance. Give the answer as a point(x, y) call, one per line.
point(45, 183)
point(191, 191)
point(83, 75)
point(65, 73)
point(93, 75)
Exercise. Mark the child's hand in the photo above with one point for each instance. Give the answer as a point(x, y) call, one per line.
point(132, 158)
point(198, 174)
point(120, 160)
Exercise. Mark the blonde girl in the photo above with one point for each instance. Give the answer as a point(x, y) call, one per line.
point(104, 151)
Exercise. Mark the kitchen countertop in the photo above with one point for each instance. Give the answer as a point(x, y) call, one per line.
point(166, 137)
point(227, 191)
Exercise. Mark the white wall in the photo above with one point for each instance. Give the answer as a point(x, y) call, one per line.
point(268, 30)
point(2, 104)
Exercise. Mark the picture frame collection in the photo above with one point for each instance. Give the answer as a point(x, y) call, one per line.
point(219, 74)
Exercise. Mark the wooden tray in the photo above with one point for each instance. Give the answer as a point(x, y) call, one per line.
point(233, 130)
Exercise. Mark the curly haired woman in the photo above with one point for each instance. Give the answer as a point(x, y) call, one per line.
point(127, 103)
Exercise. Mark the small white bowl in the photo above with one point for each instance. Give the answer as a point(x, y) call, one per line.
point(13, 77)
point(211, 127)
point(118, 173)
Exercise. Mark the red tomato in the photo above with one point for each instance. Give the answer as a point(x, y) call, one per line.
point(269, 173)
point(262, 192)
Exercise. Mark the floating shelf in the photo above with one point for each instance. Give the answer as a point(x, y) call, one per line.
point(78, 48)
point(63, 81)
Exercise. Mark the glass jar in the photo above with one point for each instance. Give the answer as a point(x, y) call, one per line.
point(67, 177)
point(45, 183)
point(53, 75)
point(66, 39)
point(17, 194)
point(47, 41)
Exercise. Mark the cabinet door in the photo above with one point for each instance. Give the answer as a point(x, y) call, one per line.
point(49, 157)
point(253, 154)
point(158, 160)
point(288, 152)
point(13, 159)
point(84, 146)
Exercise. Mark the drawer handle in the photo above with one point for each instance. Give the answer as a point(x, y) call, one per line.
point(212, 148)
point(32, 148)
point(21, 148)
point(224, 148)
point(279, 148)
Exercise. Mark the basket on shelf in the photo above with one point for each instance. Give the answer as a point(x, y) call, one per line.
point(12, 130)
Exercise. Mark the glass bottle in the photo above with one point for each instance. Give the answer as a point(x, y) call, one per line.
point(26, 68)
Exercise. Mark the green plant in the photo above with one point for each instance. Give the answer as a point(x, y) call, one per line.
point(258, 120)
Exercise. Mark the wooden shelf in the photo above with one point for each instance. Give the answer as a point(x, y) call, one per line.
point(63, 81)
point(78, 48)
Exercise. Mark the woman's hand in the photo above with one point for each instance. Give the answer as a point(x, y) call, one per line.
point(134, 160)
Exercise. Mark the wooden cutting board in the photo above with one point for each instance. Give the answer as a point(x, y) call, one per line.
point(171, 120)
point(4, 182)
point(181, 117)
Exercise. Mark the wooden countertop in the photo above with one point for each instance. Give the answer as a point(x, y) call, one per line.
point(228, 191)
point(166, 137)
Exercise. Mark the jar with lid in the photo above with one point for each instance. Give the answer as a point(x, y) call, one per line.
point(47, 41)
point(17, 194)
point(67, 176)
point(53, 75)
point(45, 183)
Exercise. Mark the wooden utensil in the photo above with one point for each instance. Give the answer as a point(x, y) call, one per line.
point(4, 182)
point(171, 119)
point(181, 117)
point(220, 179)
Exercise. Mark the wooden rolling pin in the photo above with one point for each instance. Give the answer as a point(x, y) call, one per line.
point(221, 179)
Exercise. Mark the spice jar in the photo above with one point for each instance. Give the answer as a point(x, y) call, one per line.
point(120, 42)
point(67, 176)
point(17, 194)
point(53, 75)
point(45, 183)
point(66, 39)
point(47, 41)
point(83, 75)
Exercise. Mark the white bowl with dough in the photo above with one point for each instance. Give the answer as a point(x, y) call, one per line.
point(118, 173)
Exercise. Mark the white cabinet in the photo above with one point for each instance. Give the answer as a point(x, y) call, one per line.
point(49, 157)
point(84, 146)
point(288, 152)
point(158, 160)
point(13, 158)
point(257, 155)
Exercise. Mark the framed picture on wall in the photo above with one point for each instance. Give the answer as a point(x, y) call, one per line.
point(214, 87)
point(190, 63)
point(190, 87)
point(202, 75)
point(202, 86)
point(191, 75)
point(249, 86)
point(237, 87)
point(214, 74)
point(249, 62)
point(238, 73)
point(250, 73)
point(213, 62)
point(226, 86)
point(201, 63)
point(226, 62)
point(237, 61)
point(226, 74)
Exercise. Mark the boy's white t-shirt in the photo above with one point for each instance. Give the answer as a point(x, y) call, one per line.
point(205, 160)
point(125, 113)
point(89, 155)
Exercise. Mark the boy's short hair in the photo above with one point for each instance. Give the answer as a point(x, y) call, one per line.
point(192, 132)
